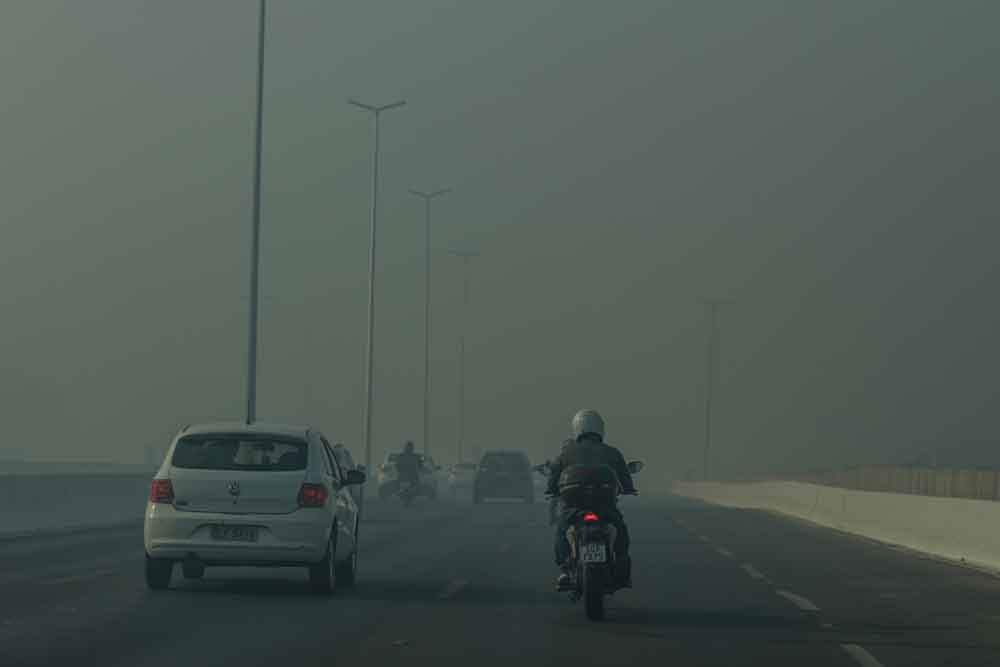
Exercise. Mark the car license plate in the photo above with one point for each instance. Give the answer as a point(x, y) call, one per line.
point(234, 533)
point(593, 553)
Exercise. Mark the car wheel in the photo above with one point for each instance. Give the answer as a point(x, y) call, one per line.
point(347, 571)
point(323, 575)
point(158, 573)
point(193, 570)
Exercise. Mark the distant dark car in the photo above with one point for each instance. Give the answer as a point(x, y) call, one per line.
point(504, 474)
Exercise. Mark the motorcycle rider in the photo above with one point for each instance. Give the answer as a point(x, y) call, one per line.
point(408, 466)
point(589, 449)
point(554, 500)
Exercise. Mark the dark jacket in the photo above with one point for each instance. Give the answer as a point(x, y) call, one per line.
point(408, 467)
point(590, 452)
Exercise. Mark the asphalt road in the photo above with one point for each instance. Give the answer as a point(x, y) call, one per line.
point(453, 583)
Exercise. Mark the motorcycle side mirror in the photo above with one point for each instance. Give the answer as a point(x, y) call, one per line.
point(354, 478)
point(362, 469)
point(635, 467)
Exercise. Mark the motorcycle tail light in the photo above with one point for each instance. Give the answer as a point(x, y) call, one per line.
point(590, 517)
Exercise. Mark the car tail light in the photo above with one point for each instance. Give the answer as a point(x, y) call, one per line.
point(162, 491)
point(313, 495)
point(590, 517)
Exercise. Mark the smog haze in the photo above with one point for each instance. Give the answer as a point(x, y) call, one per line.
point(828, 168)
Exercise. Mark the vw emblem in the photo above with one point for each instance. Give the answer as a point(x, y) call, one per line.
point(234, 488)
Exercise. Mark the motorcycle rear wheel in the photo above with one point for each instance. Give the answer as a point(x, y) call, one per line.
point(593, 593)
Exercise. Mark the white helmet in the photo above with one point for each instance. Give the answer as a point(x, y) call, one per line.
point(588, 421)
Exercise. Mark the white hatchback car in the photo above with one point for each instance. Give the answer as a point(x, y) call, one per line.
point(259, 495)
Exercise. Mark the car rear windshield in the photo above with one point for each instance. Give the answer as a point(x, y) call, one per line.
point(506, 462)
point(240, 452)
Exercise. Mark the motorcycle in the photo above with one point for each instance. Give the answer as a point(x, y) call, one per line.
point(594, 572)
point(407, 492)
point(545, 469)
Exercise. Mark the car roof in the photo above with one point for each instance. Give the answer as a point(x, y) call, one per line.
point(257, 428)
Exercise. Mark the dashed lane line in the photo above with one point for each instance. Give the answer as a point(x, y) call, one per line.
point(860, 655)
point(753, 572)
point(724, 552)
point(799, 601)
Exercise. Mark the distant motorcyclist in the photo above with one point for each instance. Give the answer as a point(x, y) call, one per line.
point(589, 449)
point(408, 466)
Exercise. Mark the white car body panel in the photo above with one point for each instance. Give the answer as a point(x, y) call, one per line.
point(268, 500)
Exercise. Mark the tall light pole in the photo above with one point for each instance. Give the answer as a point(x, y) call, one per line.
point(465, 255)
point(255, 230)
point(711, 372)
point(427, 197)
point(376, 113)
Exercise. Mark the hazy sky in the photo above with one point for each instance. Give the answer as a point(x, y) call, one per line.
point(830, 166)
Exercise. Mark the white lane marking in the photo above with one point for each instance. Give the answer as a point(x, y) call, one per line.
point(724, 552)
point(452, 588)
point(860, 655)
point(704, 539)
point(753, 572)
point(798, 601)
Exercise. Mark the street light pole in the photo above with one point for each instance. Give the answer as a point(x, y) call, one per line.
point(427, 197)
point(376, 113)
point(711, 371)
point(466, 256)
point(255, 230)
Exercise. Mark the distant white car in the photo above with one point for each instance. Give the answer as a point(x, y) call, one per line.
point(461, 477)
point(255, 495)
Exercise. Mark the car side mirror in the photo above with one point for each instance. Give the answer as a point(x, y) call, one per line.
point(635, 467)
point(355, 478)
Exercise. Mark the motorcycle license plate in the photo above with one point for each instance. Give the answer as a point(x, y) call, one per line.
point(593, 553)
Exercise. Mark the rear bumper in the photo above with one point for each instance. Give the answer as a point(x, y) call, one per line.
point(299, 538)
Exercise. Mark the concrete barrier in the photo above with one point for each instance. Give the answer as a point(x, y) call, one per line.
point(34, 503)
point(954, 528)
